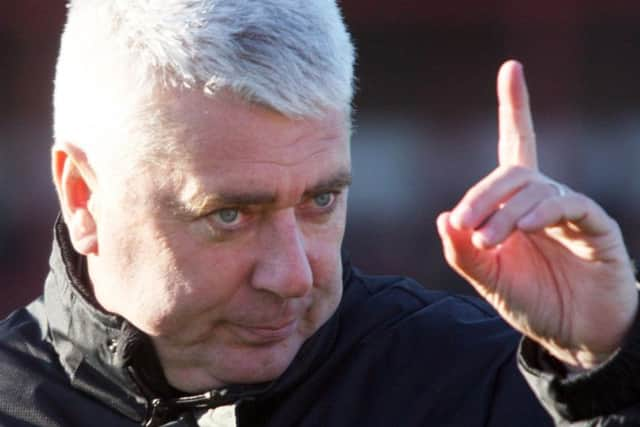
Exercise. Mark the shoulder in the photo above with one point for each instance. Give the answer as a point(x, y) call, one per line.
point(29, 366)
point(36, 390)
point(446, 351)
point(23, 338)
point(386, 298)
point(397, 314)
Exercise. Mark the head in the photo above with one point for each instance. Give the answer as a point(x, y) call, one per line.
point(202, 163)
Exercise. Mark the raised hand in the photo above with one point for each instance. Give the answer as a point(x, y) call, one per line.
point(549, 259)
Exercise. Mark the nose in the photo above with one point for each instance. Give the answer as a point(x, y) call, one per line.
point(283, 265)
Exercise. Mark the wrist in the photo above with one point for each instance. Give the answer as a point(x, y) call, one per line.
point(587, 362)
point(582, 360)
point(612, 385)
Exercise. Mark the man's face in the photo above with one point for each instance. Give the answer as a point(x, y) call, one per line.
point(226, 249)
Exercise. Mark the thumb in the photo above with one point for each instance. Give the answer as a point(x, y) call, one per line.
point(475, 265)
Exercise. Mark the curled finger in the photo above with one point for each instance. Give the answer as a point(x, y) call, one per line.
point(577, 209)
point(504, 220)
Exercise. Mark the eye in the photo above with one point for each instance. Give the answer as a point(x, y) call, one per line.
point(224, 223)
point(323, 200)
point(227, 216)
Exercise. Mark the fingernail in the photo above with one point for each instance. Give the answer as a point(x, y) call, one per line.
point(482, 239)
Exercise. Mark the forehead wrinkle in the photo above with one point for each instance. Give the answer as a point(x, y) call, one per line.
point(284, 163)
point(325, 135)
point(234, 146)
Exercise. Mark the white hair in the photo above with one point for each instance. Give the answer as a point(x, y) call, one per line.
point(293, 56)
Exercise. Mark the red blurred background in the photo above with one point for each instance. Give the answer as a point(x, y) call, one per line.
point(425, 124)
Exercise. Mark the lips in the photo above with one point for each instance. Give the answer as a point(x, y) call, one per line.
point(264, 334)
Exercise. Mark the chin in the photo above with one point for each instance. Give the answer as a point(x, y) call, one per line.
point(264, 363)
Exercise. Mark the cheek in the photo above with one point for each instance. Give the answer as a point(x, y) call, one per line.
point(326, 294)
point(158, 279)
point(159, 287)
point(134, 276)
point(326, 264)
point(209, 277)
point(324, 250)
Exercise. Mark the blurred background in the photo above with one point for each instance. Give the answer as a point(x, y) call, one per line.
point(426, 121)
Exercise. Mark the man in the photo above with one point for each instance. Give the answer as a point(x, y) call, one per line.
point(202, 163)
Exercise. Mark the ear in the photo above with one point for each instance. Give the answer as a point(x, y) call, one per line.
point(75, 183)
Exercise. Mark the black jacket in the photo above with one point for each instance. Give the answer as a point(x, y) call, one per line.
point(392, 354)
point(607, 396)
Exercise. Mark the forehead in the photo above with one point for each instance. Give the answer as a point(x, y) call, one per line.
point(225, 144)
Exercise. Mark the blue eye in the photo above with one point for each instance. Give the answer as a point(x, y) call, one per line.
point(228, 215)
point(323, 200)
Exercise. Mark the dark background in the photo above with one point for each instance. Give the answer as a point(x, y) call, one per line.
point(426, 123)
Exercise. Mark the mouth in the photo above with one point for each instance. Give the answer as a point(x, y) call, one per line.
point(266, 334)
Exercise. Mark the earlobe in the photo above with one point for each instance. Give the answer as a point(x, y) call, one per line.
point(75, 184)
point(82, 230)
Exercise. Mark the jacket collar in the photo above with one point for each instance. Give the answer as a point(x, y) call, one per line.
point(107, 357)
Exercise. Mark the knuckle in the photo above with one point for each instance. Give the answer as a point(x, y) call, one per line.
point(553, 189)
point(583, 201)
point(582, 198)
point(615, 227)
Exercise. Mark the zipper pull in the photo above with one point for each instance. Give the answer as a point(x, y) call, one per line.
point(163, 410)
point(160, 412)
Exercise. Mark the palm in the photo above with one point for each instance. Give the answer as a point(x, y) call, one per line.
point(561, 292)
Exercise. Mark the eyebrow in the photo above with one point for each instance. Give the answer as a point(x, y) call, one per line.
point(337, 182)
point(209, 203)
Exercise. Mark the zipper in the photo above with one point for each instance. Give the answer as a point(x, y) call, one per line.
point(161, 410)
point(166, 409)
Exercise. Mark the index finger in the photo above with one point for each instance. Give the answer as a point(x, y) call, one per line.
point(517, 144)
